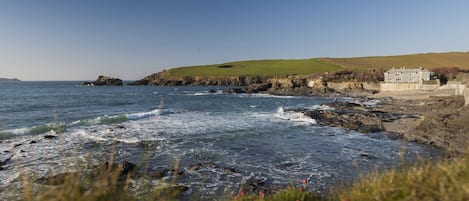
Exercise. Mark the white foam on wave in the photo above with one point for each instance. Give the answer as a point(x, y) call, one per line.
point(17, 131)
point(372, 102)
point(320, 107)
point(129, 141)
point(204, 93)
point(294, 116)
point(142, 115)
point(86, 135)
point(259, 95)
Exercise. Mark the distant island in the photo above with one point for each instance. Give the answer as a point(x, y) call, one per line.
point(9, 79)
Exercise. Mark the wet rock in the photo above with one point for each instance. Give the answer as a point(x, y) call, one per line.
point(123, 168)
point(212, 91)
point(17, 145)
point(161, 172)
point(195, 167)
point(234, 90)
point(33, 142)
point(361, 121)
point(120, 127)
point(367, 156)
point(87, 83)
point(229, 170)
point(4, 161)
point(212, 165)
point(253, 182)
point(50, 137)
point(256, 88)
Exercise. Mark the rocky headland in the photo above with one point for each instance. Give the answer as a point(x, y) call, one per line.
point(9, 79)
point(104, 81)
point(440, 121)
point(320, 84)
point(436, 117)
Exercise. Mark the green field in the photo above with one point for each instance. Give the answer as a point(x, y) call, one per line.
point(257, 68)
point(283, 67)
point(429, 61)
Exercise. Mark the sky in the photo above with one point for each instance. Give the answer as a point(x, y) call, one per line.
point(129, 39)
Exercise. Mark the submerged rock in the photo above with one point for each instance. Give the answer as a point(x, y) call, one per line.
point(4, 161)
point(124, 167)
point(50, 137)
point(161, 172)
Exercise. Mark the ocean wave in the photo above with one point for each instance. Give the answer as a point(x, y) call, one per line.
point(35, 130)
point(320, 107)
point(142, 115)
point(294, 116)
point(259, 95)
point(62, 127)
point(86, 135)
point(101, 120)
point(202, 93)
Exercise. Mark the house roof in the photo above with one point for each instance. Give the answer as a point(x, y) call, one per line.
point(406, 70)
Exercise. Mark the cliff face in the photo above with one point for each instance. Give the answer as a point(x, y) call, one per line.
point(314, 84)
point(164, 80)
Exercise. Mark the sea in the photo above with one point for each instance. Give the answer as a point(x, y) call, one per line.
point(47, 128)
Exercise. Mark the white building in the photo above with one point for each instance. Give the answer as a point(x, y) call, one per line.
point(407, 75)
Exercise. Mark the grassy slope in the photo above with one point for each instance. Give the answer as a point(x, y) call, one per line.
point(257, 68)
point(308, 66)
point(429, 61)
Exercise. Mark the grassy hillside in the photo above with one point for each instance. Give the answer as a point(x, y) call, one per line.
point(429, 61)
point(257, 67)
point(308, 66)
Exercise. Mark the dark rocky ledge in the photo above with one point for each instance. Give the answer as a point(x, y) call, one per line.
point(437, 121)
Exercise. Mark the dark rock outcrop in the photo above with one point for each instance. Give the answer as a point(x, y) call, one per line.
point(104, 81)
point(349, 116)
point(140, 82)
point(9, 80)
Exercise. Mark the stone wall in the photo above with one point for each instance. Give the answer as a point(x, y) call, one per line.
point(339, 86)
point(407, 86)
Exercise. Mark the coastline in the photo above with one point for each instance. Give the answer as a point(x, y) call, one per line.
point(435, 118)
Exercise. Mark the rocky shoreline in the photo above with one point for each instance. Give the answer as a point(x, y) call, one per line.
point(439, 121)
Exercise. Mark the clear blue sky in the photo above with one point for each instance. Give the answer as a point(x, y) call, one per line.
point(77, 40)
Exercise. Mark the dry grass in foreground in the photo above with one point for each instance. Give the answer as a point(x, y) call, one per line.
point(445, 180)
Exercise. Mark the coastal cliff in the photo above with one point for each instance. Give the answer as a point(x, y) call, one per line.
point(318, 84)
